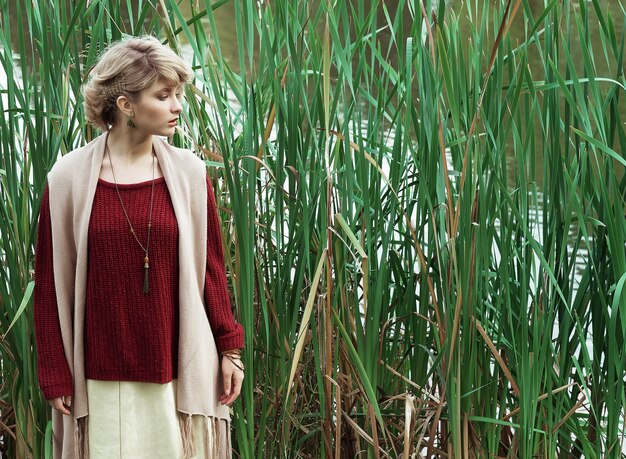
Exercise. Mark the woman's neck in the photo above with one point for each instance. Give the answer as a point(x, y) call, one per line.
point(129, 145)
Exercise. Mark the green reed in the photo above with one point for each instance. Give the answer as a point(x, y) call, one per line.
point(406, 200)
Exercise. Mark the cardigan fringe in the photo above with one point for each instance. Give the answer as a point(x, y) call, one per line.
point(186, 431)
point(81, 438)
point(216, 443)
point(209, 439)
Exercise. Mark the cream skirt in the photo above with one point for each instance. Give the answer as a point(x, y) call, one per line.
point(133, 420)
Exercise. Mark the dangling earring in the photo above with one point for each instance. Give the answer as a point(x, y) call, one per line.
point(130, 123)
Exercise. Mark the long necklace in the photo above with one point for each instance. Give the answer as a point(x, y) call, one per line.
point(146, 258)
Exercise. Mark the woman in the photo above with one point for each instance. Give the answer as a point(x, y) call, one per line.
point(138, 350)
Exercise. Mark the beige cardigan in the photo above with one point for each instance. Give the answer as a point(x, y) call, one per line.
point(72, 185)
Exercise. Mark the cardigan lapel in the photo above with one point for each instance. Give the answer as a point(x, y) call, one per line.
point(198, 364)
point(81, 267)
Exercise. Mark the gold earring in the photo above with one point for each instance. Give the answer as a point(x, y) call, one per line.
point(130, 123)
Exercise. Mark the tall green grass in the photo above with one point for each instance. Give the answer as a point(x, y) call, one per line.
point(423, 207)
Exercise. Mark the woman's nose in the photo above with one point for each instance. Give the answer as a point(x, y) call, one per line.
point(176, 106)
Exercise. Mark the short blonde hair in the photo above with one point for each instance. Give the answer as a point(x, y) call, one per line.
point(127, 67)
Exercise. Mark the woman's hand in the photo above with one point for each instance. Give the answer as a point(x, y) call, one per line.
point(62, 404)
point(232, 372)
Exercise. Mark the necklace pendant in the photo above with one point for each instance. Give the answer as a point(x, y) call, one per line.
point(146, 267)
point(146, 261)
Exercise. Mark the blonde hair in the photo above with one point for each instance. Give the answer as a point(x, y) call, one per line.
point(127, 67)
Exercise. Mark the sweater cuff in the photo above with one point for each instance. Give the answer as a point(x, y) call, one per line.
point(228, 342)
point(57, 390)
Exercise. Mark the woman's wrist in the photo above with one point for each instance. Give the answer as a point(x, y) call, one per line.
point(234, 355)
point(231, 352)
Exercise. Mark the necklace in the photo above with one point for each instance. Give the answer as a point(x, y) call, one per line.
point(146, 258)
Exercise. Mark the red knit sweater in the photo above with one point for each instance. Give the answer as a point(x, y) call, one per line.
point(129, 335)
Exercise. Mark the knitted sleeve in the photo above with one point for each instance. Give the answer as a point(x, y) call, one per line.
point(55, 378)
point(227, 332)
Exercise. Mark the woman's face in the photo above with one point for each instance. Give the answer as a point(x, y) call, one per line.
point(158, 108)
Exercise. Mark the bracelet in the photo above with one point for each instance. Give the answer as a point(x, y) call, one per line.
point(233, 353)
point(234, 359)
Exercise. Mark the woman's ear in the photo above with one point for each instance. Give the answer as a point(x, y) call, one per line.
point(124, 105)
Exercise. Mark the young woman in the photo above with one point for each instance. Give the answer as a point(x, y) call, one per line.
point(138, 350)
